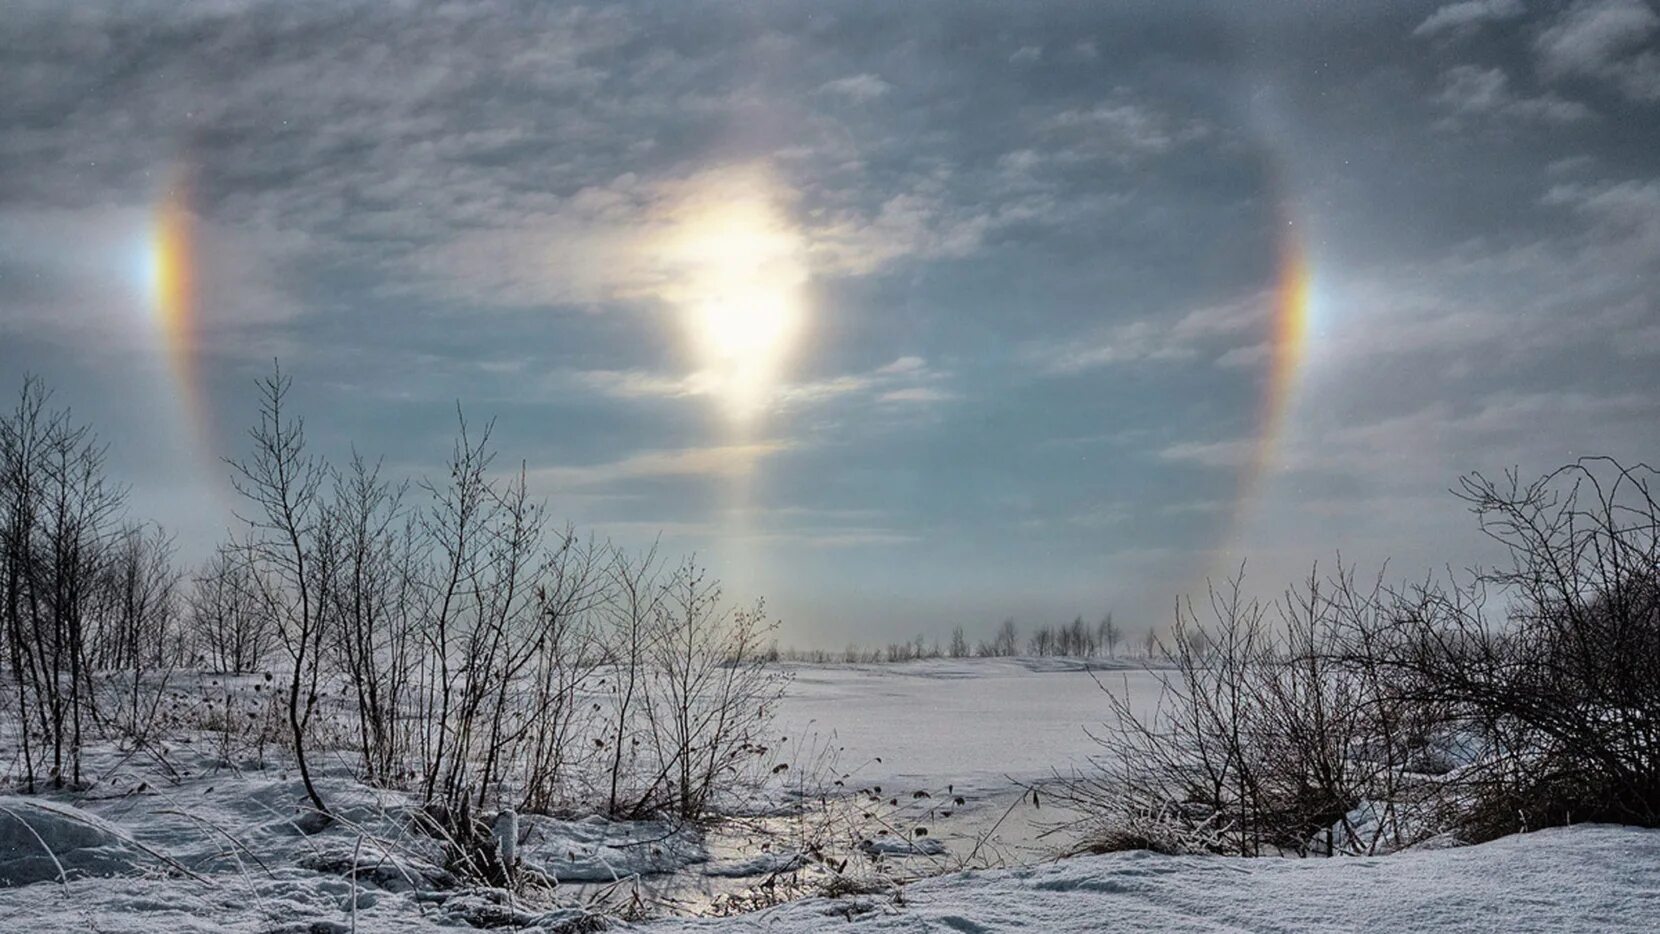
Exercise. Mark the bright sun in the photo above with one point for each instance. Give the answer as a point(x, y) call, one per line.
point(737, 274)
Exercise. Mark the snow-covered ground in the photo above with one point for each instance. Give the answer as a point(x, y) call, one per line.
point(979, 724)
point(1586, 878)
point(192, 843)
point(970, 734)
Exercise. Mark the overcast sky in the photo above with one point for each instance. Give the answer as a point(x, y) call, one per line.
point(1015, 265)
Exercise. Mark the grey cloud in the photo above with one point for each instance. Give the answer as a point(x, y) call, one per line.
point(1621, 211)
point(1184, 337)
point(719, 462)
point(1027, 55)
point(1122, 128)
point(1423, 446)
point(906, 379)
point(1472, 90)
point(860, 87)
point(1607, 39)
point(1455, 17)
point(1044, 285)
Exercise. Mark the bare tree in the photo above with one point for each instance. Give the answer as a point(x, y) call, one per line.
point(138, 629)
point(631, 615)
point(1109, 635)
point(288, 538)
point(60, 524)
point(1004, 643)
point(139, 617)
point(26, 438)
point(456, 525)
point(23, 438)
point(373, 606)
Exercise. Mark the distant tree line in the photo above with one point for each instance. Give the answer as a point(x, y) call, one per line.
point(1077, 639)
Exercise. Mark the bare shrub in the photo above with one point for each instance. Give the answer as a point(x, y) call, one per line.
point(57, 514)
point(455, 524)
point(1560, 689)
point(712, 694)
point(630, 612)
point(690, 692)
point(567, 655)
point(370, 610)
point(1268, 739)
point(229, 629)
point(438, 635)
point(1348, 719)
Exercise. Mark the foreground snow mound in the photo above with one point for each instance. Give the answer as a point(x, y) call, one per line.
point(42, 840)
point(1587, 878)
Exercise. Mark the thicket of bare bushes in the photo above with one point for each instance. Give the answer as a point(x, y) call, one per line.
point(441, 635)
point(80, 587)
point(1351, 717)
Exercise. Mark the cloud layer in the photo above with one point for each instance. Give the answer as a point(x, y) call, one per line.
point(1035, 254)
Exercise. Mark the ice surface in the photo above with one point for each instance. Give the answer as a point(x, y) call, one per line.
point(978, 725)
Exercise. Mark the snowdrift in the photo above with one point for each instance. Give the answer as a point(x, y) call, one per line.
point(43, 840)
point(1586, 878)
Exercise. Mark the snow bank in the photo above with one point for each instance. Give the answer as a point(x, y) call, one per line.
point(1587, 878)
point(369, 870)
point(43, 840)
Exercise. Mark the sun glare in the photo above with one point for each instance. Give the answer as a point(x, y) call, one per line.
point(736, 274)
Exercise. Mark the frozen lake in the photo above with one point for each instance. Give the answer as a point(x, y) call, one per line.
point(912, 738)
point(978, 724)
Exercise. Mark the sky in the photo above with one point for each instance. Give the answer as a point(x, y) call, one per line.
point(903, 316)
